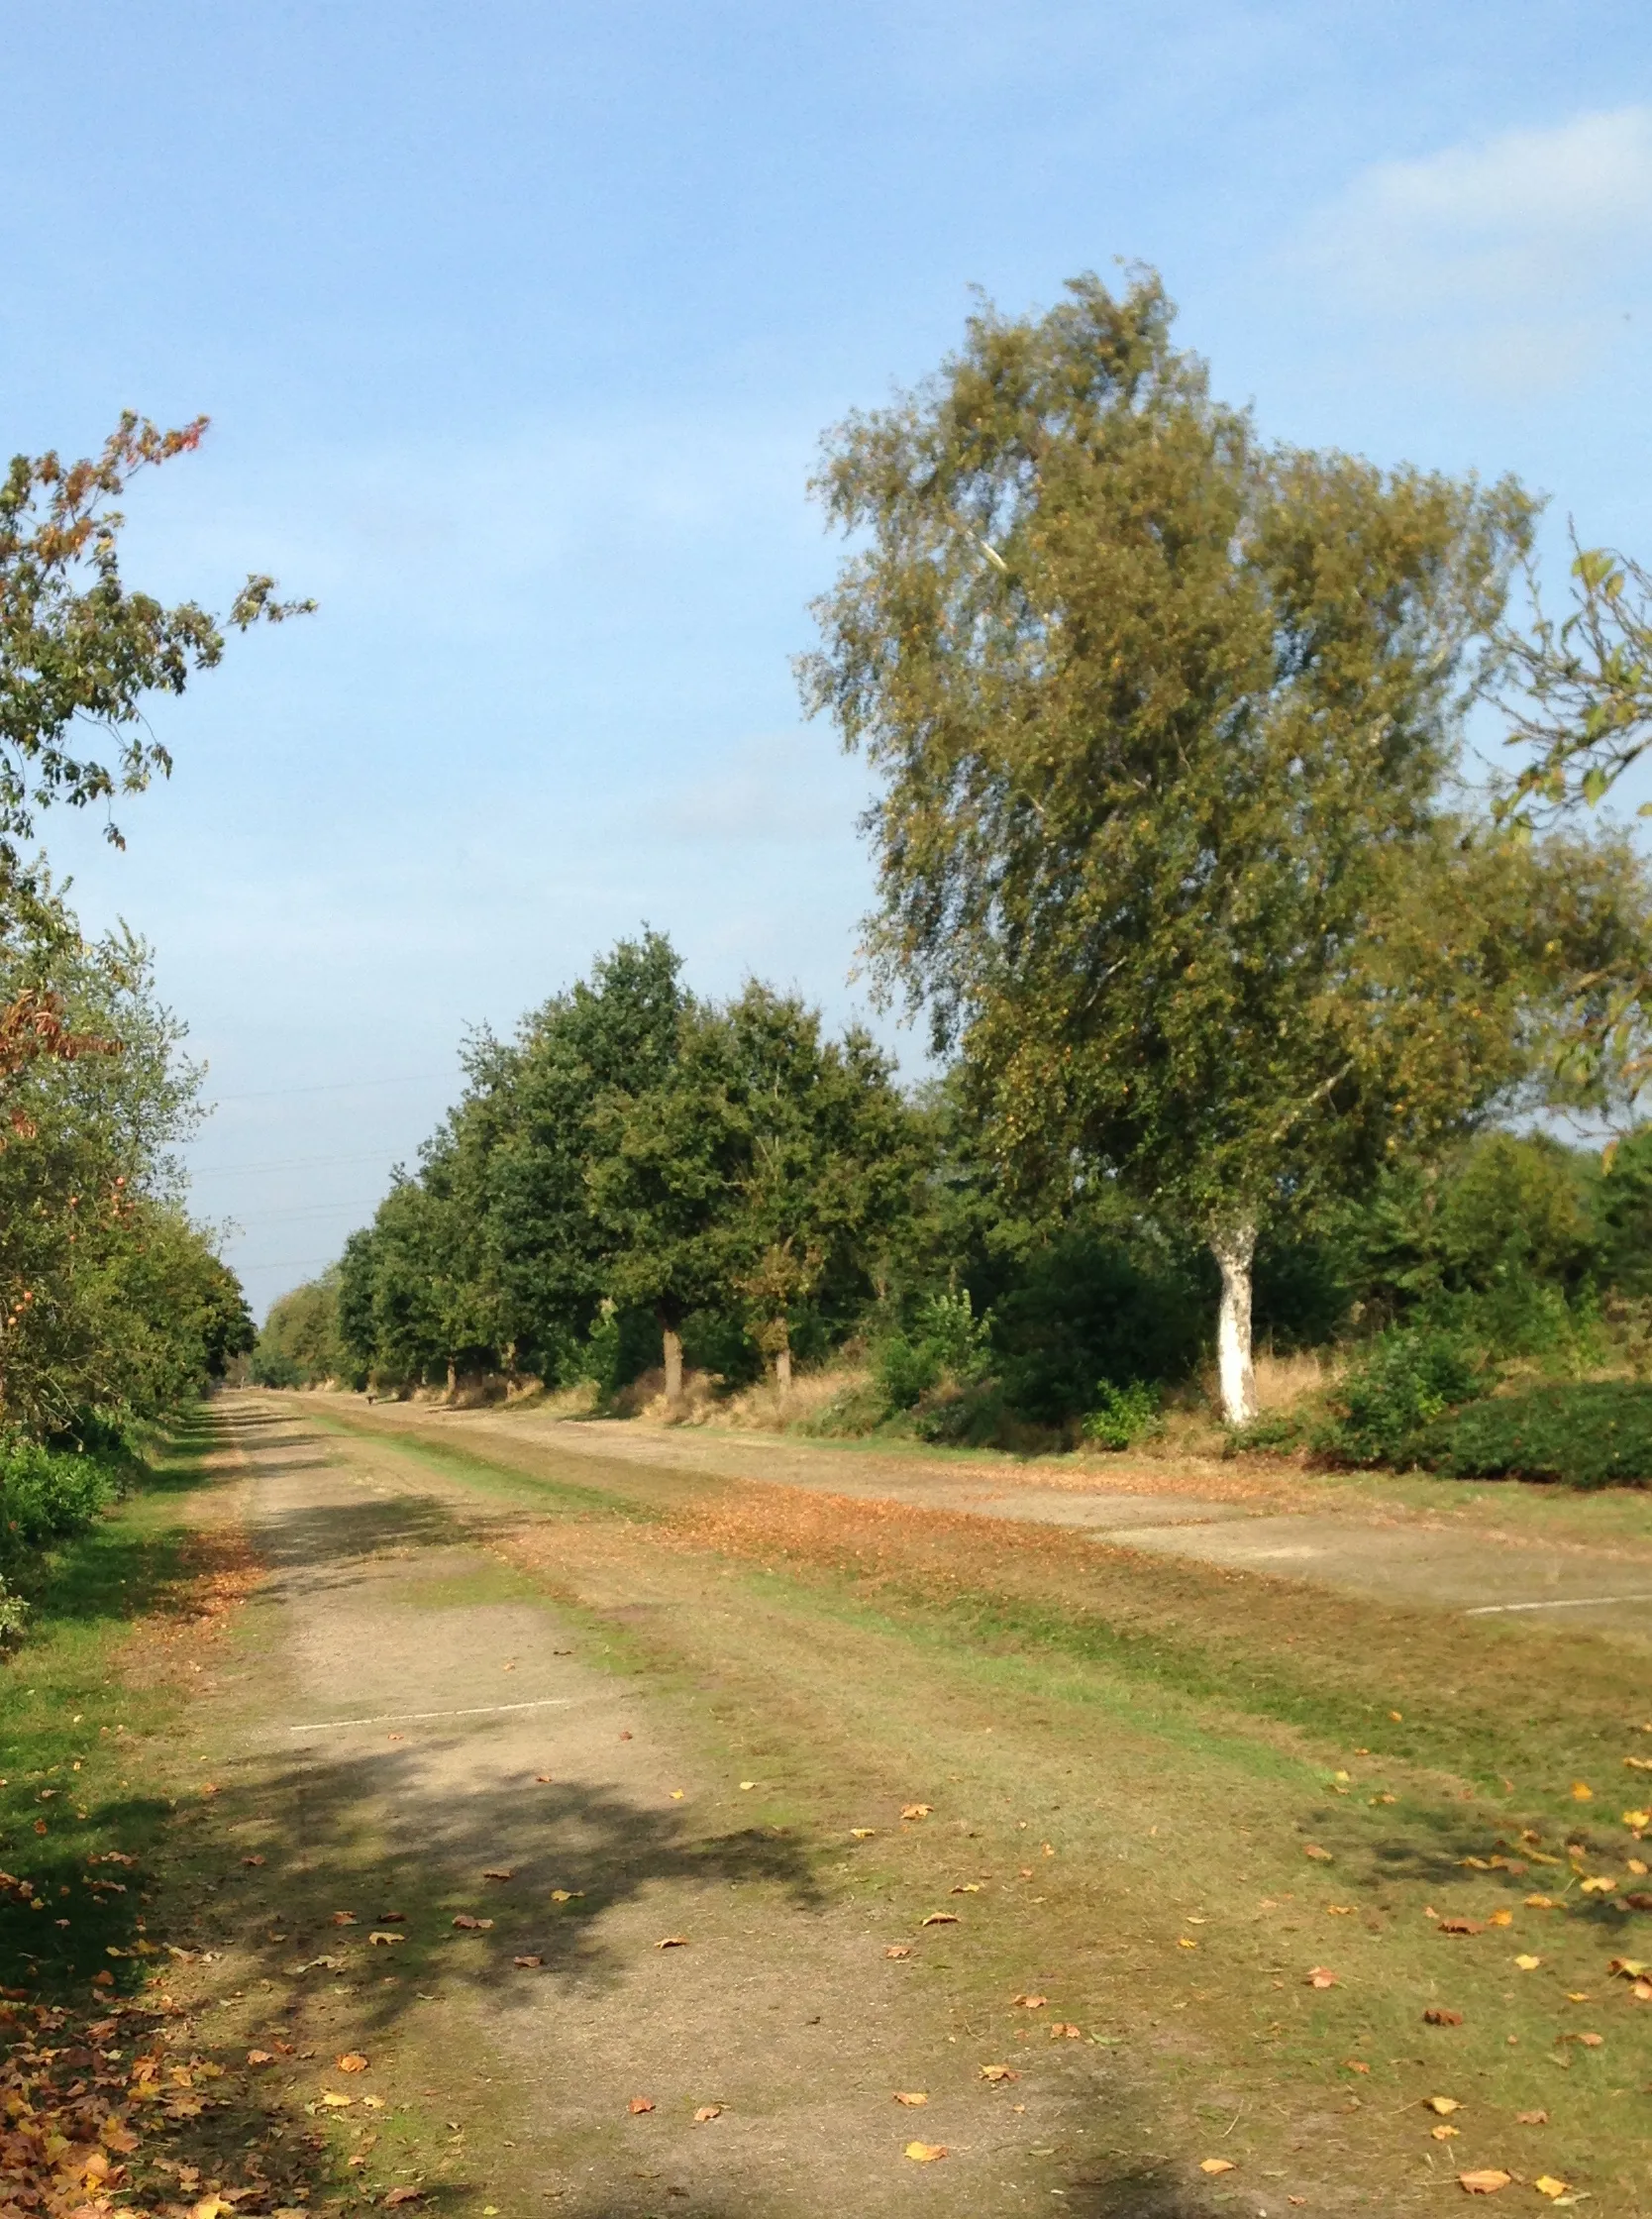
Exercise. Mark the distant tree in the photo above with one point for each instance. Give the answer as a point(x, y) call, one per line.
point(1164, 720)
point(300, 1344)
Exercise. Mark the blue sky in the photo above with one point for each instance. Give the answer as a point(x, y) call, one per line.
point(518, 324)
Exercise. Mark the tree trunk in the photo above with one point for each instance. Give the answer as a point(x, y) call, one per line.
point(453, 1379)
point(782, 1363)
point(1233, 1250)
point(673, 1366)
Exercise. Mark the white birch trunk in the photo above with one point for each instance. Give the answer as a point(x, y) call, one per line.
point(1234, 1249)
point(783, 1367)
point(673, 1366)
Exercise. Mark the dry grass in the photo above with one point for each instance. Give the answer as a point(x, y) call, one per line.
point(764, 1409)
point(1281, 1382)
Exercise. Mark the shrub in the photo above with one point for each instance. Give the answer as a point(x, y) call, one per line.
point(1405, 1381)
point(1593, 1436)
point(946, 1341)
point(1122, 1416)
point(47, 1496)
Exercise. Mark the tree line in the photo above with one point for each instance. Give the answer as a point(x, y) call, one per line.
point(1182, 855)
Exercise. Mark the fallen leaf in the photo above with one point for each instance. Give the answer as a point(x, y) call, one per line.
point(1638, 1818)
point(1631, 1968)
point(499, 1872)
point(1444, 2105)
point(1528, 1964)
point(405, 2195)
point(1444, 2134)
point(1321, 1856)
point(942, 1918)
point(1322, 1977)
point(250, 1861)
point(335, 2101)
point(1339, 1910)
point(1547, 2185)
point(1062, 2030)
point(1355, 2064)
point(544, 1779)
point(1600, 1884)
point(529, 1965)
point(469, 1925)
point(706, 2113)
point(926, 2153)
point(1590, 2041)
point(1540, 1902)
point(1642, 1991)
point(1030, 2002)
point(1458, 1926)
point(746, 1787)
point(968, 1887)
point(260, 2056)
point(392, 1918)
point(352, 2062)
point(678, 1794)
point(1215, 2164)
point(673, 1942)
point(1486, 2183)
point(566, 1895)
point(910, 2096)
point(1582, 1793)
point(1185, 1942)
point(862, 1833)
point(898, 1949)
point(1501, 1917)
point(639, 2104)
point(625, 1733)
point(1435, 2016)
point(378, 1941)
point(346, 1917)
point(1531, 2118)
point(997, 2074)
point(917, 1810)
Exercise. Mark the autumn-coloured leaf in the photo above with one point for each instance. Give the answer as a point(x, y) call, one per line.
point(942, 1918)
point(566, 1895)
point(968, 1887)
point(678, 1794)
point(862, 1833)
point(405, 2195)
point(917, 1810)
point(926, 2153)
point(1630, 1968)
point(378, 1941)
point(1030, 2002)
point(468, 1925)
point(673, 1942)
point(1444, 2105)
point(335, 2101)
point(530, 1964)
point(1444, 2134)
point(1641, 1992)
point(1458, 1926)
point(1501, 1917)
point(352, 2062)
point(1600, 1884)
point(1339, 1910)
point(1355, 2064)
point(1589, 2041)
point(1436, 2016)
point(1547, 2185)
point(639, 2104)
point(1322, 1977)
point(1185, 1942)
point(1321, 1857)
point(997, 2074)
point(1486, 2183)
point(1063, 2030)
point(746, 1787)
point(392, 1918)
point(898, 1949)
point(544, 1779)
point(252, 1860)
point(260, 2056)
point(910, 2096)
point(1528, 1962)
point(1637, 1819)
point(499, 1872)
point(1531, 2118)
point(1540, 1902)
point(625, 1733)
point(346, 1917)
point(1215, 2164)
point(1582, 1793)
point(706, 2113)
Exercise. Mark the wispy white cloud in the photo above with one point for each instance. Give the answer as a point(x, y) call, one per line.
point(1512, 258)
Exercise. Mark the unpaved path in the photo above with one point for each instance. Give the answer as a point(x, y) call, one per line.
point(423, 1719)
point(1277, 1524)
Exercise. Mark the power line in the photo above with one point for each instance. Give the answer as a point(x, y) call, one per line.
point(292, 1163)
point(337, 1086)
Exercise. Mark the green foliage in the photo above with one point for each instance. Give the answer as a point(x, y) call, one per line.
point(78, 649)
point(1401, 1384)
point(945, 1341)
point(1594, 1434)
point(1122, 1416)
point(47, 1496)
point(300, 1344)
point(1116, 1298)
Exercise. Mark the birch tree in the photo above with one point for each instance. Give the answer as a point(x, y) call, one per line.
point(1163, 719)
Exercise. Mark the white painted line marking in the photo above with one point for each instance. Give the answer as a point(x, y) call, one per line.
point(1561, 1603)
point(411, 1718)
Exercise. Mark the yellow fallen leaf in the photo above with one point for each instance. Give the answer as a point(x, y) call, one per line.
point(1598, 1883)
point(678, 1794)
point(917, 1810)
point(999, 2072)
point(898, 1949)
point(911, 2096)
point(942, 1918)
point(381, 1941)
point(1547, 2185)
point(1637, 1819)
point(926, 2153)
point(1322, 1977)
point(373, 2103)
point(1319, 1855)
point(1445, 2134)
point(706, 2113)
point(1529, 1965)
point(335, 2101)
point(1582, 1793)
point(1215, 2164)
point(1444, 2105)
point(1030, 2002)
point(862, 1833)
point(1486, 2183)
point(1501, 1917)
point(1540, 1902)
point(673, 1942)
point(352, 2062)
point(746, 1787)
point(566, 1895)
point(1184, 1943)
